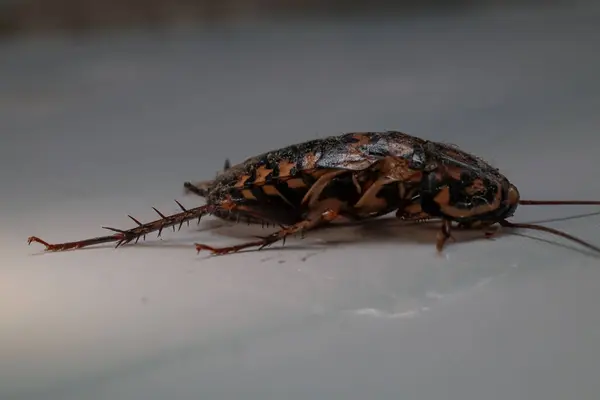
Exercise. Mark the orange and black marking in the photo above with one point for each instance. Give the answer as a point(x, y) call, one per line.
point(356, 175)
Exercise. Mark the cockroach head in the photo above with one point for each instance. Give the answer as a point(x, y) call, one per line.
point(463, 187)
point(512, 201)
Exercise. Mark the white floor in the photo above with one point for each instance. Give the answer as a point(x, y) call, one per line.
point(96, 129)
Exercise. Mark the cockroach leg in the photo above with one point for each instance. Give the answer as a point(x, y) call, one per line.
point(312, 195)
point(370, 195)
point(325, 211)
point(126, 236)
point(444, 234)
point(412, 217)
point(412, 212)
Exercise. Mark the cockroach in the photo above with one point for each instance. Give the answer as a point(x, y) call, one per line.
point(357, 176)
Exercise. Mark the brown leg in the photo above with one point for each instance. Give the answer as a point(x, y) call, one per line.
point(369, 197)
point(410, 217)
point(325, 211)
point(444, 234)
point(412, 213)
point(312, 196)
point(126, 236)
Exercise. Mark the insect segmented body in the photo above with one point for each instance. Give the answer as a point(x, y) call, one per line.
point(356, 175)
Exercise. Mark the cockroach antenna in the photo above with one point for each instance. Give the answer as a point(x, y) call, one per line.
point(559, 203)
point(508, 224)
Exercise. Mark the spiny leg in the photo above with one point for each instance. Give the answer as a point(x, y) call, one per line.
point(324, 212)
point(126, 236)
point(412, 212)
point(418, 217)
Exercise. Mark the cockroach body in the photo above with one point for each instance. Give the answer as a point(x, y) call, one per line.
point(357, 176)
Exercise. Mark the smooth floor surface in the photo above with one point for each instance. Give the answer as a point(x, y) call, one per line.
point(101, 127)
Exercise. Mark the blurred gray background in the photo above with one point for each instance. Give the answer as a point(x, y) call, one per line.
point(107, 107)
point(22, 16)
